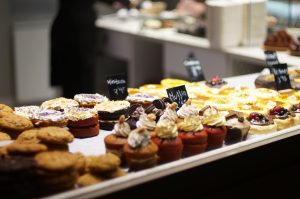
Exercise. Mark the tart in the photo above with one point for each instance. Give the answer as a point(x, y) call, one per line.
point(261, 124)
point(170, 146)
point(89, 100)
point(282, 117)
point(295, 109)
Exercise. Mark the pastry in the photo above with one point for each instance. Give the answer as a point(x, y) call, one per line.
point(282, 117)
point(115, 142)
point(214, 123)
point(153, 90)
point(213, 87)
point(54, 135)
point(89, 100)
point(187, 110)
point(277, 41)
point(59, 104)
point(134, 112)
point(294, 47)
point(26, 111)
point(158, 107)
point(144, 99)
point(221, 103)
point(295, 109)
point(147, 122)
point(49, 117)
point(193, 137)
point(170, 113)
point(82, 122)
point(261, 124)
point(170, 146)
point(265, 94)
point(14, 125)
point(4, 136)
point(237, 128)
point(140, 152)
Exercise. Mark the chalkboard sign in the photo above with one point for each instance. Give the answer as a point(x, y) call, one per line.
point(281, 75)
point(178, 95)
point(193, 68)
point(271, 59)
point(117, 86)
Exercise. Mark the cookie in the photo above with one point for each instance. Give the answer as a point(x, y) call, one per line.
point(89, 179)
point(3, 152)
point(25, 148)
point(29, 136)
point(57, 147)
point(104, 163)
point(114, 174)
point(80, 163)
point(55, 160)
point(4, 136)
point(55, 135)
point(58, 179)
point(15, 123)
point(5, 108)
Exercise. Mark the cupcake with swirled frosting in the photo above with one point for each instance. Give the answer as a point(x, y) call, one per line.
point(140, 152)
point(193, 137)
point(115, 142)
point(187, 110)
point(214, 124)
point(170, 113)
point(147, 122)
point(169, 144)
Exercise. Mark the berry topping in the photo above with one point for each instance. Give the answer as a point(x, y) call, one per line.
point(278, 110)
point(216, 80)
point(255, 117)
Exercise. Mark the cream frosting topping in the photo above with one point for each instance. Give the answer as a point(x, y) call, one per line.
point(139, 137)
point(166, 129)
point(235, 123)
point(147, 122)
point(122, 128)
point(187, 110)
point(170, 113)
point(112, 106)
point(141, 97)
point(79, 113)
point(59, 103)
point(212, 117)
point(49, 115)
point(191, 124)
point(85, 98)
point(26, 111)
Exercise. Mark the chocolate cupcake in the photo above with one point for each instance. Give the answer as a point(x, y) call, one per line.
point(134, 112)
point(237, 128)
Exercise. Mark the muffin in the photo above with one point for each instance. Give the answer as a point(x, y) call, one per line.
point(134, 112)
point(282, 117)
point(115, 142)
point(89, 100)
point(82, 122)
point(140, 152)
point(147, 122)
point(237, 128)
point(214, 123)
point(170, 146)
point(261, 124)
point(193, 137)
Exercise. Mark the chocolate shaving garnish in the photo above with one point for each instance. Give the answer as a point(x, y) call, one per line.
point(132, 108)
point(149, 109)
point(235, 114)
point(167, 100)
point(160, 104)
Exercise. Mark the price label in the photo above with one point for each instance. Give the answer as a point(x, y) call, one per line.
point(117, 86)
point(271, 59)
point(194, 68)
point(178, 95)
point(281, 75)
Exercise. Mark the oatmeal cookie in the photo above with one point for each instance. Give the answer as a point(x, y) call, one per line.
point(17, 148)
point(55, 160)
point(55, 135)
point(104, 163)
point(4, 136)
point(15, 123)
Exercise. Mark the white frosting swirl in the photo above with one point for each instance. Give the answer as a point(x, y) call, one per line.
point(212, 117)
point(49, 115)
point(169, 114)
point(146, 122)
point(122, 129)
point(187, 110)
point(166, 129)
point(138, 138)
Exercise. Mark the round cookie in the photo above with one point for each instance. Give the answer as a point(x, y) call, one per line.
point(89, 179)
point(15, 123)
point(80, 162)
point(25, 148)
point(55, 160)
point(114, 174)
point(4, 136)
point(28, 136)
point(5, 108)
point(55, 135)
point(104, 163)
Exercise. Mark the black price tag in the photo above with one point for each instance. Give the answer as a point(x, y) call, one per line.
point(178, 95)
point(117, 86)
point(194, 68)
point(281, 75)
point(271, 59)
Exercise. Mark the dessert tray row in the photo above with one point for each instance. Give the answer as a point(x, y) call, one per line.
point(90, 146)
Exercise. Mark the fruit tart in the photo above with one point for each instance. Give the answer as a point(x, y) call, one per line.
point(261, 124)
point(282, 117)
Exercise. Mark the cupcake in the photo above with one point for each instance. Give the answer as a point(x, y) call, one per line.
point(140, 152)
point(147, 122)
point(82, 122)
point(237, 128)
point(214, 123)
point(169, 144)
point(295, 109)
point(187, 110)
point(89, 100)
point(134, 112)
point(261, 124)
point(144, 99)
point(170, 113)
point(193, 137)
point(158, 107)
point(115, 142)
point(282, 117)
